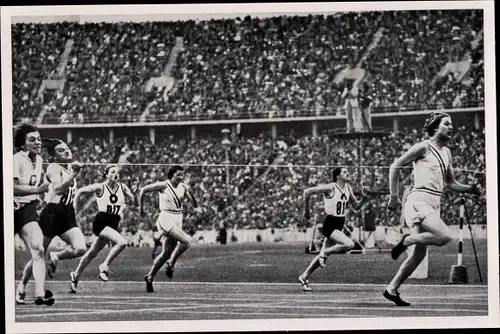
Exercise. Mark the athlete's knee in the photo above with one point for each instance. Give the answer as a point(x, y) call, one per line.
point(182, 238)
point(122, 243)
point(444, 239)
point(36, 249)
point(79, 250)
point(187, 241)
point(419, 252)
point(448, 238)
point(28, 267)
point(78, 247)
point(350, 245)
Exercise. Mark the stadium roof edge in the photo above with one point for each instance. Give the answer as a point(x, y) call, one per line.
point(116, 18)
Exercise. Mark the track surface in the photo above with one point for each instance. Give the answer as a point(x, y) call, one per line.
point(125, 301)
point(257, 281)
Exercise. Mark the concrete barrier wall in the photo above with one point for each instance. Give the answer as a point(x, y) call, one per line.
point(389, 235)
point(294, 236)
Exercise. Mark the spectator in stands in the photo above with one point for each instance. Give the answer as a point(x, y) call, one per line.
point(244, 68)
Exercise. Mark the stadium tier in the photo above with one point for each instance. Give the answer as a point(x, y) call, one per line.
point(244, 68)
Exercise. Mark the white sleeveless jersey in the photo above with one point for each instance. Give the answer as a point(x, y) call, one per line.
point(66, 198)
point(28, 173)
point(111, 202)
point(170, 199)
point(430, 171)
point(337, 203)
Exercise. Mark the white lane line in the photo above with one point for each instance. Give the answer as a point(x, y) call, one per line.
point(244, 297)
point(55, 310)
point(258, 265)
point(287, 314)
point(452, 286)
point(259, 296)
point(392, 308)
point(107, 311)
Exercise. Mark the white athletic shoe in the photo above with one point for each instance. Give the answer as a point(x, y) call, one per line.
point(73, 282)
point(305, 284)
point(103, 272)
point(20, 297)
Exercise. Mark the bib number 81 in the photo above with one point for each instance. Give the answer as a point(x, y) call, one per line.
point(341, 206)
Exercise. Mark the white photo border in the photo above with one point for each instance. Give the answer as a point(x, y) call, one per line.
point(9, 15)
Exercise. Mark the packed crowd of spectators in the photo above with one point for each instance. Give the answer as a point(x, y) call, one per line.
point(281, 66)
point(250, 67)
point(108, 68)
point(36, 50)
point(412, 51)
point(259, 195)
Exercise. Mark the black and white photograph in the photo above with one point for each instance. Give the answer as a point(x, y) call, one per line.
point(248, 167)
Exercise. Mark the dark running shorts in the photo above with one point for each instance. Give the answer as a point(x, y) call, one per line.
point(331, 224)
point(103, 219)
point(56, 219)
point(26, 214)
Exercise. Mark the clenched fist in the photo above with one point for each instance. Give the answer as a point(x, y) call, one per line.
point(76, 167)
point(394, 203)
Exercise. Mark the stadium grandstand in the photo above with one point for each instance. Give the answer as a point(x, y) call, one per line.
point(71, 72)
point(148, 94)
